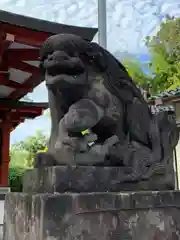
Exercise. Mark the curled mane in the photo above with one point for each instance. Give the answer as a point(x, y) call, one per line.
point(69, 43)
point(117, 79)
point(107, 99)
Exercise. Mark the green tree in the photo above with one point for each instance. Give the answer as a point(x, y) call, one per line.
point(22, 156)
point(164, 49)
point(23, 153)
point(164, 64)
point(18, 157)
point(135, 70)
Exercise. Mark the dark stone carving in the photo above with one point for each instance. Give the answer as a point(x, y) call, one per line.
point(84, 179)
point(89, 89)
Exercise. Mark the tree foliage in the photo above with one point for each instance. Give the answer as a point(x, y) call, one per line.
point(22, 156)
point(23, 153)
point(16, 178)
point(135, 70)
point(164, 64)
point(164, 49)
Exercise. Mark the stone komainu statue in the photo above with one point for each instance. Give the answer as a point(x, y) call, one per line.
point(89, 88)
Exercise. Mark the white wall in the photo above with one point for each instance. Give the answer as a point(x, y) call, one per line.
point(178, 161)
point(1, 212)
point(177, 109)
point(1, 218)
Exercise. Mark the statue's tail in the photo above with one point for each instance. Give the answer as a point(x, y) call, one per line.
point(168, 129)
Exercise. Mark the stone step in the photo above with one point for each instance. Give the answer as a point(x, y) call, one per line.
point(89, 179)
point(93, 216)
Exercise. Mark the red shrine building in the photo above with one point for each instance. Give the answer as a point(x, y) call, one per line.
point(20, 40)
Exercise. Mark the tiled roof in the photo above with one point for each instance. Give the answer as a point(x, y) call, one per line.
point(167, 94)
point(161, 108)
point(21, 39)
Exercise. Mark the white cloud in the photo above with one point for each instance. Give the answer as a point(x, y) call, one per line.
point(129, 22)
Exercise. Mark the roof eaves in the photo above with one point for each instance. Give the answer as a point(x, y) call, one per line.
point(46, 26)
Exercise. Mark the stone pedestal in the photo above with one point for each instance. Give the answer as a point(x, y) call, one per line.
point(45, 212)
point(91, 179)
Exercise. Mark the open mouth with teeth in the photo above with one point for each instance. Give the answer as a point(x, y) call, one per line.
point(62, 70)
point(66, 77)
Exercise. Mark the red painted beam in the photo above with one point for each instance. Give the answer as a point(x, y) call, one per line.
point(26, 54)
point(14, 85)
point(6, 128)
point(19, 120)
point(29, 111)
point(9, 83)
point(26, 36)
point(32, 81)
point(13, 63)
point(22, 110)
point(26, 114)
point(5, 41)
point(15, 117)
point(4, 44)
point(31, 38)
point(3, 47)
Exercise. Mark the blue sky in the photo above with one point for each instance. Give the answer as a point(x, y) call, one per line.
point(129, 22)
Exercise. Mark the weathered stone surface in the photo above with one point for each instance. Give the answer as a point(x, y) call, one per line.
point(94, 216)
point(89, 89)
point(17, 213)
point(89, 179)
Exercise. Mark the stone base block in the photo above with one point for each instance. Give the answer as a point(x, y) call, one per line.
point(93, 216)
point(90, 179)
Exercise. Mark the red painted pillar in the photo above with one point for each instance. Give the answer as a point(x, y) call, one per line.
point(4, 169)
